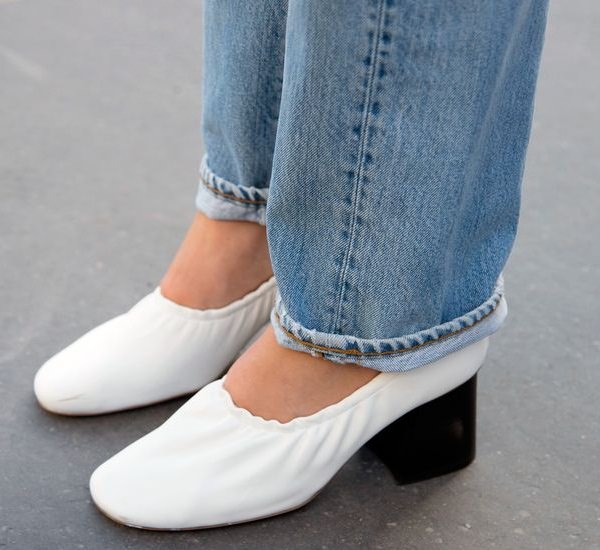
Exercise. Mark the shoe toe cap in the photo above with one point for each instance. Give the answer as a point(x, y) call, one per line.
point(126, 493)
point(60, 389)
point(107, 494)
point(85, 378)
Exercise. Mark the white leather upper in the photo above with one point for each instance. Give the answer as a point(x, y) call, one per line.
point(213, 463)
point(156, 351)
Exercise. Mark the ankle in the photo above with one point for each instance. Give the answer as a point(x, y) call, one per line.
point(218, 262)
point(278, 383)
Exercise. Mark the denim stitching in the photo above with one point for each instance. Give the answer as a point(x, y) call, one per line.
point(231, 191)
point(385, 352)
point(421, 338)
point(361, 159)
point(229, 195)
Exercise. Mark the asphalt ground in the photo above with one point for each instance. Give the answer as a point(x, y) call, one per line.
point(99, 149)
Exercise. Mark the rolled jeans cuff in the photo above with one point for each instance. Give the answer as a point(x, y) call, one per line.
point(220, 199)
point(397, 354)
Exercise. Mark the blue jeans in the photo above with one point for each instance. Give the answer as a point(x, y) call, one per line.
point(382, 143)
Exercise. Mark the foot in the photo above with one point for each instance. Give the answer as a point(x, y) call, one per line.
point(213, 464)
point(278, 383)
point(160, 348)
point(218, 262)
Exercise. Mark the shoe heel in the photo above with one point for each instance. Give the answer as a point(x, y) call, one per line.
point(432, 440)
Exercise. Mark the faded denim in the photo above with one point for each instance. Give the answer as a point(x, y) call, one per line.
point(382, 143)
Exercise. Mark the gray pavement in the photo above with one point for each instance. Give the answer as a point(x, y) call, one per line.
point(99, 146)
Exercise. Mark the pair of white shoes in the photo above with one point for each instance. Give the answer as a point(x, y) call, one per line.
point(213, 463)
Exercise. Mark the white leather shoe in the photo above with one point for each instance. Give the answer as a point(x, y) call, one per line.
point(213, 463)
point(158, 350)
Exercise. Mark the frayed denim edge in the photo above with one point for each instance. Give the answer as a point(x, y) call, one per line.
point(398, 354)
point(220, 199)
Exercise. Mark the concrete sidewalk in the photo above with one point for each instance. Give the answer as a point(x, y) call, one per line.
point(99, 115)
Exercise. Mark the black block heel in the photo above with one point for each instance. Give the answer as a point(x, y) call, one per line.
point(434, 439)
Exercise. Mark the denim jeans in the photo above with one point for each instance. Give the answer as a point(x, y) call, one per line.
point(382, 144)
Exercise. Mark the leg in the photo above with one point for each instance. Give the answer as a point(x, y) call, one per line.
point(223, 256)
point(218, 291)
point(395, 190)
point(397, 171)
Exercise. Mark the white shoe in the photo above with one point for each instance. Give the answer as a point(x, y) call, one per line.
point(213, 463)
point(158, 350)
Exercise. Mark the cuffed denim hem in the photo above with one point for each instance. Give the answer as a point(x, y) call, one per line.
point(220, 199)
point(398, 354)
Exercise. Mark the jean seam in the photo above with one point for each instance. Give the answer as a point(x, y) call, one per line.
point(258, 202)
point(372, 347)
point(366, 118)
point(225, 190)
point(341, 351)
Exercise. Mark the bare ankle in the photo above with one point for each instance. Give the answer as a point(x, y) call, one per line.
point(217, 263)
point(274, 382)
